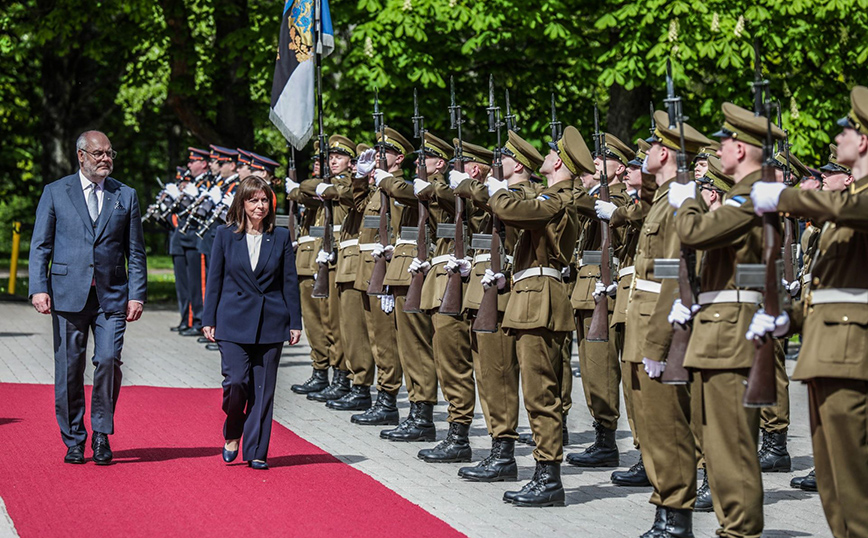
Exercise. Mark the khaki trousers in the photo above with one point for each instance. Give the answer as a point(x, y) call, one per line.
point(839, 428)
point(601, 373)
point(314, 312)
point(729, 437)
point(618, 331)
point(541, 362)
point(567, 384)
point(776, 418)
point(332, 323)
point(354, 336)
point(668, 447)
point(495, 365)
point(454, 364)
point(415, 333)
point(383, 336)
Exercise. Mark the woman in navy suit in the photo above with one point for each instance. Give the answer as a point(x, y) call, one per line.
point(251, 308)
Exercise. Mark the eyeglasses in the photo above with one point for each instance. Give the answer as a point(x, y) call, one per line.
point(101, 154)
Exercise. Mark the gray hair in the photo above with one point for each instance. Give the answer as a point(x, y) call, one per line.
point(81, 141)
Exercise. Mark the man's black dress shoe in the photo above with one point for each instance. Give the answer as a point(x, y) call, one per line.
point(74, 454)
point(212, 347)
point(229, 455)
point(258, 465)
point(178, 328)
point(190, 331)
point(202, 340)
point(102, 452)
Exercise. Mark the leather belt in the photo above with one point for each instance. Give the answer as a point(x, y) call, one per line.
point(730, 296)
point(348, 243)
point(626, 271)
point(366, 247)
point(405, 242)
point(647, 285)
point(536, 271)
point(437, 260)
point(483, 258)
point(839, 295)
point(306, 239)
point(806, 279)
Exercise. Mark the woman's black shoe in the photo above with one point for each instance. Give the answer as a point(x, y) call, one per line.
point(229, 455)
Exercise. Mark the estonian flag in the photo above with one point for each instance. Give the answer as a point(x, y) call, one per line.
point(292, 92)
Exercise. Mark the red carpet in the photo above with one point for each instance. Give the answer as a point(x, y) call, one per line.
point(169, 478)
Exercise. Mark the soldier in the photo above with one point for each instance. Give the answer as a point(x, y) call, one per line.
point(729, 236)
point(415, 329)
point(341, 152)
point(185, 245)
point(379, 311)
point(833, 321)
point(539, 313)
point(452, 353)
point(628, 220)
point(314, 311)
point(598, 361)
point(495, 363)
point(179, 264)
point(700, 162)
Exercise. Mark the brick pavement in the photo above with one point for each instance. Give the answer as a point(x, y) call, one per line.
point(595, 507)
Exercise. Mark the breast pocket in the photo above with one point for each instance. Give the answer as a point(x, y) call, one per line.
point(845, 328)
point(650, 239)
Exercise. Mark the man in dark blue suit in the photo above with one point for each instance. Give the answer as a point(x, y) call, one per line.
point(87, 236)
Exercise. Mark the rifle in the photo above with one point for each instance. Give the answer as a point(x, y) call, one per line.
point(413, 301)
point(375, 286)
point(321, 284)
point(789, 240)
point(688, 284)
point(486, 316)
point(291, 206)
point(598, 331)
point(761, 390)
point(451, 303)
point(554, 124)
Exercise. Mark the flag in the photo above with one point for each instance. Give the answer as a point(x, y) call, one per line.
point(292, 91)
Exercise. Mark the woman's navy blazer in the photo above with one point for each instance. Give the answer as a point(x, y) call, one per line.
point(247, 306)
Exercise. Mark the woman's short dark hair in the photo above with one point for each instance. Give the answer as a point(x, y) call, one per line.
point(244, 191)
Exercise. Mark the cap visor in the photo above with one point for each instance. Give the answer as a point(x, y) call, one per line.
point(553, 145)
point(723, 133)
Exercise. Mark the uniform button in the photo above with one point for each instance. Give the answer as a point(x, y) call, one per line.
point(717, 314)
point(846, 318)
point(816, 281)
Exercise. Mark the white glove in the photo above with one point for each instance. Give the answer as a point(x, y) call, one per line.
point(227, 198)
point(793, 287)
point(461, 264)
point(566, 272)
point(604, 209)
point(380, 175)
point(291, 186)
point(490, 277)
point(762, 324)
point(387, 303)
point(419, 186)
point(765, 196)
point(456, 178)
point(381, 250)
point(366, 162)
point(653, 368)
point(191, 190)
point(324, 257)
point(680, 314)
point(495, 186)
point(173, 191)
point(678, 193)
point(600, 290)
point(294, 246)
point(418, 265)
point(321, 188)
point(216, 194)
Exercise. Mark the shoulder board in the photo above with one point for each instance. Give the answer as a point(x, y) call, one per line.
point(543, 197)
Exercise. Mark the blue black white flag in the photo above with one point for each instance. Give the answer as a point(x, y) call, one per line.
point(292, 91)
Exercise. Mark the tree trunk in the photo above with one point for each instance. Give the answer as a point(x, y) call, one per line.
point(625, 107)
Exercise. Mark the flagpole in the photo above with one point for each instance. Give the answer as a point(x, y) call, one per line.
point(321, 284)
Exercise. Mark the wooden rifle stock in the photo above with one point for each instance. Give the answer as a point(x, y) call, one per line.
point(321, 284)
point(453, 296)
point(375, 286)
point(413, 301)
point(487, 315)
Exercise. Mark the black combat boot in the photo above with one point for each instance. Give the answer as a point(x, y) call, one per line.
point(545, 489)
point(671, 523)
point(526, 439)
point(357, 399)
point(340, 387)
point(419, 428)
point(703, 495)
point(318, 380)
point(565, 431)
point(498, 466)
point(384, 412)
point(454, 449)
point(403, 425)
point(773, 455)
point(805, 483)
point(635, 476)
point(603, 453)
